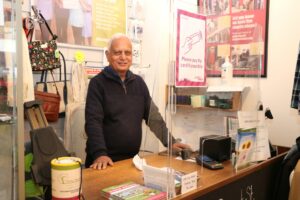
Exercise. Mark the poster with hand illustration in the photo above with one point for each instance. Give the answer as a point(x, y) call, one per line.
point(190, 50)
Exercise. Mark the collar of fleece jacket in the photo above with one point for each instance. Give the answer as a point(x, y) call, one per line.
point(109, 72)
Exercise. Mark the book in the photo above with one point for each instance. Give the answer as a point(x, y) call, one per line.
point(132, 191)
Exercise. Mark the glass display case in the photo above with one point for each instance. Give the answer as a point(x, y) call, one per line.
point(11, 108)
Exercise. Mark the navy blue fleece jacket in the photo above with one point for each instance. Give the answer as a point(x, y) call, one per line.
point(114, 113)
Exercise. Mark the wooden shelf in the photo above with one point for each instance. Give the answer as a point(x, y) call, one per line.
point(206, 108)
point(236, 97)
point(226, 88)
point(236, 104)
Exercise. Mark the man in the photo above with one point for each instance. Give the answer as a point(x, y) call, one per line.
point(117, 102)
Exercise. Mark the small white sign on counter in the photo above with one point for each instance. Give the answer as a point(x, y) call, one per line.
point(188, 182)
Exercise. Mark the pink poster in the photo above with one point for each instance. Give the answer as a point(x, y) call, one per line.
point(190, 50)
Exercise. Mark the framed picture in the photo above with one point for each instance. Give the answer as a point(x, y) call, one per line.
point(236, 29)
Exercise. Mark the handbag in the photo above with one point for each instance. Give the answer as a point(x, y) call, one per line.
point(51, 102)
point(63, 86)
point(43, 54)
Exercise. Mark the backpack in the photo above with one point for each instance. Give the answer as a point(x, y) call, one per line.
point(45, 146)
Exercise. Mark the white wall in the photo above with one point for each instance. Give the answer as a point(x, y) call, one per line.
point(276, 90)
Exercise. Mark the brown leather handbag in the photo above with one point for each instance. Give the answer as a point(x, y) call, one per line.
point(51, 103)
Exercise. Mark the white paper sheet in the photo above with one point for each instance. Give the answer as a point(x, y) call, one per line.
point(251, 119)
point(138, 162)
point(256, 119)
point(262, 149)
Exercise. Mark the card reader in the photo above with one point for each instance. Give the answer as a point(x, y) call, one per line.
point(208, 162)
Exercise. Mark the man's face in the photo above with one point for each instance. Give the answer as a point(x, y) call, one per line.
point(120, 55)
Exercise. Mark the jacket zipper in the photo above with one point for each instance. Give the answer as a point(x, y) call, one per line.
point(124, 87)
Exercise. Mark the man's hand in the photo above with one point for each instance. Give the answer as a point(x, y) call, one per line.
point(102, 162)
point(180, 146)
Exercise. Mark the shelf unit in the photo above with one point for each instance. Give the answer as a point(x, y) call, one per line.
point(234, 91)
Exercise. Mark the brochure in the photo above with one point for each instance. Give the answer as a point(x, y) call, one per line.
point(245, 147)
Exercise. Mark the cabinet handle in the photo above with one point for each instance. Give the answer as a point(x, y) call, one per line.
point(173, 102)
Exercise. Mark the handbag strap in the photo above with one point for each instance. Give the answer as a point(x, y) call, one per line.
point(54, 37)
point(44, 75)
point(30, 34)
point(40, 20)
point(65, 89)
point(44, 80)
point(54, 82)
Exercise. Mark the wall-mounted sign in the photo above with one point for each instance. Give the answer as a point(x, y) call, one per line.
point(190, 50)
point(108, 17)
point(236, 29)
point(92, 71)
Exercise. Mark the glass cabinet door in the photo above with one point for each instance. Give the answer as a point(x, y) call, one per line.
point(11, 133)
